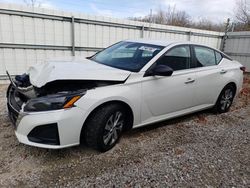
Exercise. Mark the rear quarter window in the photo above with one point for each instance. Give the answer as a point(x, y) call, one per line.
point(218, 57)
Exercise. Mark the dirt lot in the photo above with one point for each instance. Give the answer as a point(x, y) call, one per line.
point(199, 150)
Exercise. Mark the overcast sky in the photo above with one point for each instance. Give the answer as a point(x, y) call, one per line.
point(215, 10)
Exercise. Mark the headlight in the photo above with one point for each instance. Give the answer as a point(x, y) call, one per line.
point(52, 102)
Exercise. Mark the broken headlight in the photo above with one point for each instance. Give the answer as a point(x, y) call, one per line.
point(52, 102)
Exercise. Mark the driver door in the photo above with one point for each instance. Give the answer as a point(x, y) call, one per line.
point(167, 95)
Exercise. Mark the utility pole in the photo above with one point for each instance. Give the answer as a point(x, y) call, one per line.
point(225, 35)
point(233, 27)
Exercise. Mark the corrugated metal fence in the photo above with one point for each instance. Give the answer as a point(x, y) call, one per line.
point(33, 35)
point(237, 45)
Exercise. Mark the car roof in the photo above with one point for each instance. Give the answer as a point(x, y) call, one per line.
point(171, 42)
point(150, 41)
point(162, 42)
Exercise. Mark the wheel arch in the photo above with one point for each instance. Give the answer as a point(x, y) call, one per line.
point(121, 102)
point(233, 84)
point(217, 108)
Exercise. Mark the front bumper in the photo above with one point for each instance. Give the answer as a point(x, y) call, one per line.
point(69, 123)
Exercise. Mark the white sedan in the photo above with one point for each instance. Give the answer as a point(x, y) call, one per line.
point(127, 85)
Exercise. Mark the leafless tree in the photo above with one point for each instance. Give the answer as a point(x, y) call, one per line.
point(207, 24)
point(177, 17)
point(159, 17)
point(171, 16)
point(32, 3)
point(242, 15)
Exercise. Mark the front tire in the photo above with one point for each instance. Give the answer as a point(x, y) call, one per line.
point(225, 99)
point(104, 127)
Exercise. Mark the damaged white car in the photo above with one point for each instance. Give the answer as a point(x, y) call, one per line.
point(130, 84)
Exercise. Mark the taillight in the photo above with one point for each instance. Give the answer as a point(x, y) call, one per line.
point(243, 69)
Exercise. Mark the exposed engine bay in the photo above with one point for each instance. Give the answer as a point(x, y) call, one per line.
point(58, 85)
point(28, 91)
point(22, 94)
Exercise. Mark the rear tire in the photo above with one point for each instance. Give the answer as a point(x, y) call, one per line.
point(225, 99)
point(104, 127)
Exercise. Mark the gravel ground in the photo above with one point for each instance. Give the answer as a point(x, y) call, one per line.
point(199, 150)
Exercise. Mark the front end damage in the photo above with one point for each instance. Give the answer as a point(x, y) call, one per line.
point(18, 93)
point(38, 114)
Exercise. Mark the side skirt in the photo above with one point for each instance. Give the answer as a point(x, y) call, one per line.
point(174, 115)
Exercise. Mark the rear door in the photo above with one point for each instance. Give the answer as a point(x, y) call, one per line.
point(209, 76)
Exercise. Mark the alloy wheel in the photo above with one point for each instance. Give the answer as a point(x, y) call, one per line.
point(226, 99)
point(113, 128)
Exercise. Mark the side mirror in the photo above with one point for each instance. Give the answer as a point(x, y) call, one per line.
point(160, 70)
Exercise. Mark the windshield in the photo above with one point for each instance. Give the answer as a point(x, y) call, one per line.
point(131, 56)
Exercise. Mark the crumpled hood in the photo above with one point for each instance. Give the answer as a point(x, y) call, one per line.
point(74, 70)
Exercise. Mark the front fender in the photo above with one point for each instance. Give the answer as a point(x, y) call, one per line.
point(129, 94)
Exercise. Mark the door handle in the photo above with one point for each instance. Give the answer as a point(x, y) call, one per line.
point(189, 80)
point(223, 71)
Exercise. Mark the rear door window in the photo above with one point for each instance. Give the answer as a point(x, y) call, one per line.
point(204, 56)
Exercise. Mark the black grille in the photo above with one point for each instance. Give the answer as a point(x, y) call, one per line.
point(45, 134)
